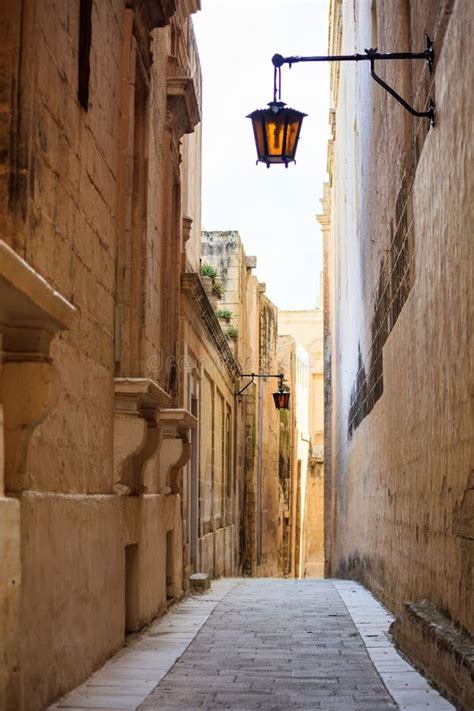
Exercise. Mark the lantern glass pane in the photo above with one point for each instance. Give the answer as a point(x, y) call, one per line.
point(281, 400)
point(292, 137)
point(275, 130)
point(259, 137)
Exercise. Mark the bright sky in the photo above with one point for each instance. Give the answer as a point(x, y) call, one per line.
point(273, 209)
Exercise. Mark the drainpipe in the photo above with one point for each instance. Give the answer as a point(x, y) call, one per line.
point(260, 474)
point(290, 496)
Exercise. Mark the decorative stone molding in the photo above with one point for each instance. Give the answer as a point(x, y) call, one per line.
point(147, 16)
point(192, 286)
point(175, 426)
point(182, 104)
point(153, 13)
point(187, 224)
point(136, 431)
point(191, 6)
point(31, 314)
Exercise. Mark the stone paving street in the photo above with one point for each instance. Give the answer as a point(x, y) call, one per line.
point(264, 644)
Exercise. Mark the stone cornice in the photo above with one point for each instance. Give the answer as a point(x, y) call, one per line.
point(192, 286)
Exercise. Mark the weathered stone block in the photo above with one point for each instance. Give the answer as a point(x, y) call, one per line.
point(200, 582)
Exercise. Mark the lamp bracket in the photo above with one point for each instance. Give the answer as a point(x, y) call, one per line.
point(280, 376)
point(429, 114)
point(372, 55)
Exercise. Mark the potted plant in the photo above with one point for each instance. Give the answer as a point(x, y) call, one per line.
point(232, 333)
point(207, 270)
point(214, 288)
point(217, 289)
point(224, 315)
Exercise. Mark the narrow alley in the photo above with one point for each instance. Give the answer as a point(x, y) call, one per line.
point(263, 644)
point(236, 422)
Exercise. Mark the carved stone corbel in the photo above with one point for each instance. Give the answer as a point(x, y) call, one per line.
point(182, 105)
point(31, 314)
point(136, 432)
point(175, 425)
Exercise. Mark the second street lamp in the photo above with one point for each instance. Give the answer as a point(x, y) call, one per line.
point(277, 128)
point(281, 398)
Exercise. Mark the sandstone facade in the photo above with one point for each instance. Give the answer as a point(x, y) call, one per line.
point(96, 99)
point(294, 456)
point(397, 220)
point(264, 504)
point(306, 328)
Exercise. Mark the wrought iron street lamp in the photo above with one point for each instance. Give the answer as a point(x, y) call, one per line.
point(276, 131)
point(281, 398)
point(277, 128)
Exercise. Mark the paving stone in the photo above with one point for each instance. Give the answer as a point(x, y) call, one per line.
point(263, 644)
point(276, 644)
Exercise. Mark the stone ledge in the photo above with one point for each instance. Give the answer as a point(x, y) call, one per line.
point(438, 647)
point(31, 311)
point(27, 297)
point(144, 390)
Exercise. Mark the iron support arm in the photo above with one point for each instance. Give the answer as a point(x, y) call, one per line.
point(429, 114)
point(280, 376)
point(372, 55)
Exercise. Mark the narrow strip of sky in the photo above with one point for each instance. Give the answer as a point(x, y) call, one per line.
point(273, 209)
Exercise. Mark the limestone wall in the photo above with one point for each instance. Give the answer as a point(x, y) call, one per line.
point(76, 181)
point(399, 261)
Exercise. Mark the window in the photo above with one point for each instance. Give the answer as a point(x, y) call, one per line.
point(84, 67)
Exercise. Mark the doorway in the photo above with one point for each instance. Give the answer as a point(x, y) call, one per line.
point(131, 588)
point(169, 566)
